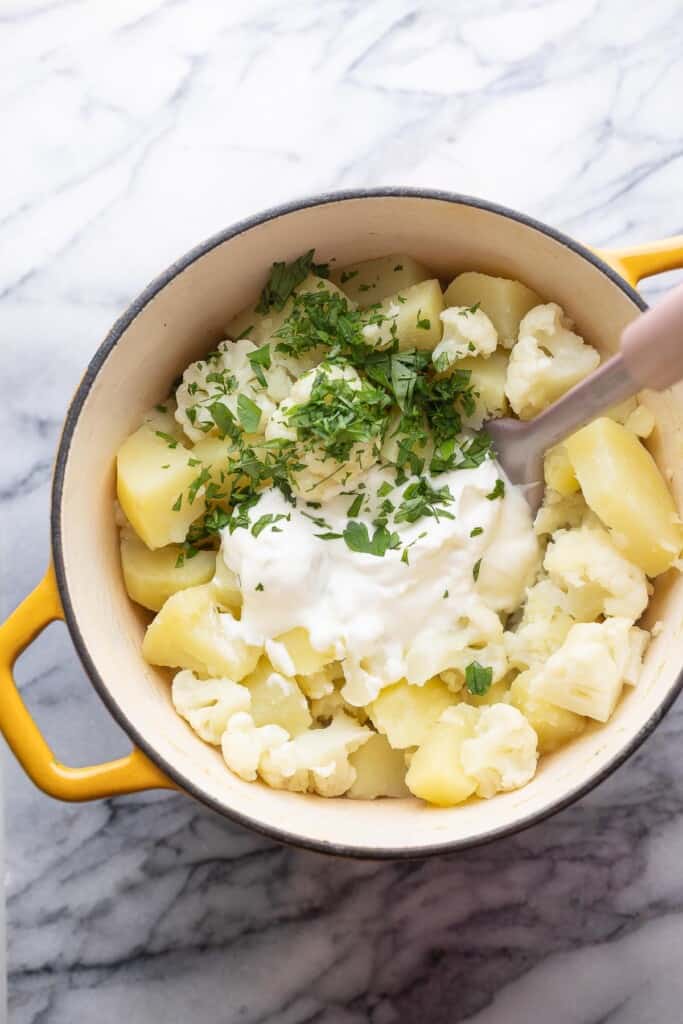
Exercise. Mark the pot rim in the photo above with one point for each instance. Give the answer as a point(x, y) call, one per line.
point(94, 366)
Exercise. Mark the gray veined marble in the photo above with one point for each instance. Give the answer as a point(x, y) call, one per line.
point(131, 131)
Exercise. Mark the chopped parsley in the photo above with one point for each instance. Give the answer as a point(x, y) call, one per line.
point(248, 414)
point(285, 277)
point(355, 506)
point(498, 490)
point(260, 359)
point(160, 407)
point(476, 531)
point(259, 586)
point(399, 266)
point(470, 309)
point(348, 275)
point(175, 507)
point(358, 539)
point(478, 678)
point(475, 570)
point(171, 441)
point(423, 323)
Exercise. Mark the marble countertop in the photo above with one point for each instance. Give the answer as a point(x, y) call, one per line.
point(133, 130)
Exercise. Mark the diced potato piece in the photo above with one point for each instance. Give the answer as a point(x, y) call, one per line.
point(405, 712)
point(623, 486)
point(487, 377)
point(436, 773)
point(189, 632)
point(412, 316)
point(504, 301)
point(553, 725)
point(374, 280)
point(215, 453)
point(305, 658)
point(152, 576)
point(277, 699)
point(558, 471)
point(162, 418)
point(264, 325)
point(152, 478)
point(641, 421)
point(225, 586)
point(380, 771)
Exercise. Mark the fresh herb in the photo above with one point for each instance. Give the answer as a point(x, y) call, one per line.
point(442, 362)
point(198, 482)
point(194, 462)
point(248, 414)
point(175, 507)
point(445, 594)
point(421, 499)
point(171, 441)
point(423, 323)
point(245, 333)
point(476, 531)
point(260, 359)
point(385, 489)
point(160, 407)
point(470, 309)
point(358, 539)
point(355, 506)
point(498, 490)
point(404, 556)
point(224, 420)
point(478, 678)
point(399, 266)
point(284, 278)
point(329, 535)
point(266, 520)
point(348, 275)
point(259, 586)
point(475, 570)
point(366, 287)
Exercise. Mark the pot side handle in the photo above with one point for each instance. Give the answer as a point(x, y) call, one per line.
point(636, 262)
point(125, 775)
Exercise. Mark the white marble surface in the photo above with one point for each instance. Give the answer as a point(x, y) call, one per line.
point(130, 131)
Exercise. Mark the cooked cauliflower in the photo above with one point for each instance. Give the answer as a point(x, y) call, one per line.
point(322, 477)
point(223, 377)
point(502, 754)
point(586, 674)
point(596, 577)
point(466, 332)
point(317, 761)
point(476, 635)
point(559, 511)
point(208, 704)
point(317, 685)
point(244, 744)
point(543, 627)
point(547, 360)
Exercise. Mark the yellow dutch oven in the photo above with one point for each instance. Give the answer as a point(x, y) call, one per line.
point(175, 320)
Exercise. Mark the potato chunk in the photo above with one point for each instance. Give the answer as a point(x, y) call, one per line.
point(436, 773)
point(152, 481)
point(487, 377)
point(553, 725)
point(189, 632)
point(405, 713)
point(277, 699)
point(374, 280)
point(152, 576)
point(260, 327)
point(505, 302)
point(558, 471)
point(623, 486)
point(304, 657)
point(412, 316)
point(380, 771)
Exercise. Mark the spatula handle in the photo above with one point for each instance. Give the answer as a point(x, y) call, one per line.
point(652, 346)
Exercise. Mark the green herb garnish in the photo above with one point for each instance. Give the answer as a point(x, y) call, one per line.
point(498, 490)
point(478, 678)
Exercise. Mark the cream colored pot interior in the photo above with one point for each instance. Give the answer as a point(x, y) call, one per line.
point(178, 325)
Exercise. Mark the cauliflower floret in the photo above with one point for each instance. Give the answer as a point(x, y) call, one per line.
point(547, 360)
point(466, 332)
point(596, 577)
point(586, 674)
point(502, 754)
point(208, 704)
point(316, 761)
point(244, 744)
point(544, 625)
point(223, 377)
point(477, 635)
point(325, 708)
point(322, 476)
point(317, 685)
point(560, 511)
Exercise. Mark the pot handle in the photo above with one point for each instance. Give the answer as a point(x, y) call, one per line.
point(639, 261)
point(125, 775)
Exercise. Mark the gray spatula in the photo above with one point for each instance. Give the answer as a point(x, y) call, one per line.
point(650, 356)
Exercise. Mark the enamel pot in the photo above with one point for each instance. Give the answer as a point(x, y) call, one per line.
point(176, 320)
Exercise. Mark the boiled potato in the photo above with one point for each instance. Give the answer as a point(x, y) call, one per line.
point(504, 301)
point(623, 486)
point(152, 576)
point(225, 586)
point(487, 377)
point(558, 471)
point(305, 658)
point(380, 771)
point(162, 418)
point(152, 484)
point(436, 773)
point(553, 725)
point(374, 280)
point(277, 699)
point(404, 713)
point(420, 304)
point(264, 325)
point(215, 454)
point(189, 632)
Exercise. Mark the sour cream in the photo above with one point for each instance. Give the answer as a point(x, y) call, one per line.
point(372, 611)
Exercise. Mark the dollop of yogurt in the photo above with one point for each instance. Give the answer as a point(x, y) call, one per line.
point(371, 611)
